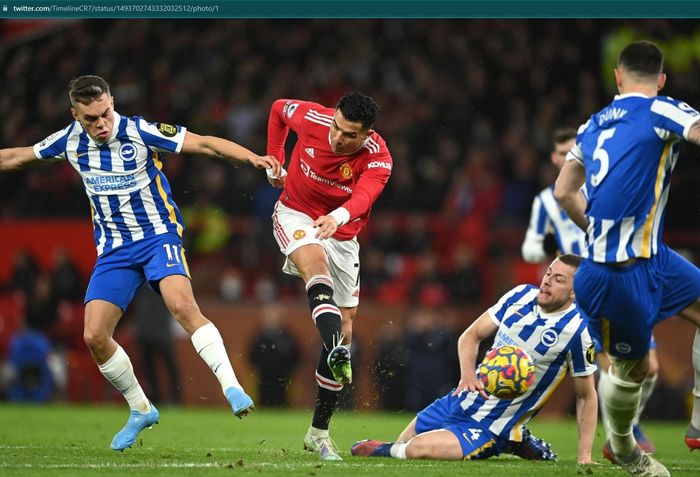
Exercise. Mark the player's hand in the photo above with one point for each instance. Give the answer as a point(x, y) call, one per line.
point(586, 461)
point(470, 384)
point(267, 162)
point(276, 180)
point(326, 226)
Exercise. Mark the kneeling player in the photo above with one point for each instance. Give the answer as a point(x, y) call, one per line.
point(468, 424)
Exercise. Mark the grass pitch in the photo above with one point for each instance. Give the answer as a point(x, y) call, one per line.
point(68, 440)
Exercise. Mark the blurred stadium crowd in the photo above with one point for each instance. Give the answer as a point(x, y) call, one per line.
point(467, 108)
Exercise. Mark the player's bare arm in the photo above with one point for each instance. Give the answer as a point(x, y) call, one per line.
point(467, 349)
point(694, 133)
point(567, 192)
point(218, 147)
point(16, 157)
point(586, 416)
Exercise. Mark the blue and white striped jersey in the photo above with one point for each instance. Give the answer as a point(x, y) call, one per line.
point(629, 150)
point(557, 342)
point(129, 195)
point(546, 217)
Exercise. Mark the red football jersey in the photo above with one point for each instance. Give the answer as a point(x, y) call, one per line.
point(318, 180)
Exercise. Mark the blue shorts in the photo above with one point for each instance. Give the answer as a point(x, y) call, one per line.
point(599, 345)
point(624, 304)
point(476, 440)
point(119, 273)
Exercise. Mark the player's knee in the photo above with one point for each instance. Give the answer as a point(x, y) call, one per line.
point(96, 340)
point(184, 310)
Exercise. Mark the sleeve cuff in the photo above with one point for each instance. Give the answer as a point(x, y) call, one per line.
point(341, 215)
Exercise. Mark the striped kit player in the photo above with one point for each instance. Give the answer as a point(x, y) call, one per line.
point(468, 424)
point(631, 280)
point(138, 234)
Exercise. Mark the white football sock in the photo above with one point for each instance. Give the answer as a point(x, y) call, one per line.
point(621, 401)
point(315, 431)
point(398, 450)
point(695, 417)
point(119, 371)
point(209, 344)
point(647, 390)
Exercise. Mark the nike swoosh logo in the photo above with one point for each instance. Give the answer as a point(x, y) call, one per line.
point(171, 265)
point(81, 155)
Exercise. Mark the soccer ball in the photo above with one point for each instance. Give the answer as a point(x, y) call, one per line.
point(507, 372)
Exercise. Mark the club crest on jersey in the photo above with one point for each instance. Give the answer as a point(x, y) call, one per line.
point(346, 170)
point(299, 234)
point(590, 354)
point(623, 348)
point(289, 108)
point(549, 338)
point(127, 151)
point(167, 130)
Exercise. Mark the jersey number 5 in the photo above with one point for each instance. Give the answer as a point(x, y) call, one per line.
point(601, 155)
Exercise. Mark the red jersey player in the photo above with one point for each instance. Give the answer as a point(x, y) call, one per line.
point(338, 168)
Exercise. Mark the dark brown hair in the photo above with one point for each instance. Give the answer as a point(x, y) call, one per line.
point(86, 89)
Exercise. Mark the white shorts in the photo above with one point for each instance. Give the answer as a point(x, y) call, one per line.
point(293, 229)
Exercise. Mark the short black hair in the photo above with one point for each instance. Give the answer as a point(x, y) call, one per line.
point(570, 259)
point(86, 89)
point(564, 134)
point(642, 58)
point(359, 108)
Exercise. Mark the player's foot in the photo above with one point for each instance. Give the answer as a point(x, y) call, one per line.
point(322, 444)
point(366, 448)
point(240, 402)
point(639, 463)
point(134, 425)
point(339, 362)
point(608, 453)
point(532, 448)
point(644, 442)
point(692, 438)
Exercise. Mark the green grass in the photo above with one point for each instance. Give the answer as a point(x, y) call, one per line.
point(66, 440)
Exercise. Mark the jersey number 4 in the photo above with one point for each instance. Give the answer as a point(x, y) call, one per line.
point(601, 155)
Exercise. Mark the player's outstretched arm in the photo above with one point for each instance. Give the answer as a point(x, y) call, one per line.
point(586, 416)
point(567, 192)
point(16, 157)
point(224, 149)
point(467, 349)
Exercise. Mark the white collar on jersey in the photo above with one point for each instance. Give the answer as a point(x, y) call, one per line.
point(556, 315)
point(630, 95)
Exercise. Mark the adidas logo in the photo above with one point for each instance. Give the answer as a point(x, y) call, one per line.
point(309, 151)
point(322, 296)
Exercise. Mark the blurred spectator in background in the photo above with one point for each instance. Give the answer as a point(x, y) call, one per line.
point(275, 355)
point(152, 325)
point(42, 308)
point(429, 344)
point(66, 283)
point(25, 271)
point(464, 280)
point(31, 378)
point(391, 368)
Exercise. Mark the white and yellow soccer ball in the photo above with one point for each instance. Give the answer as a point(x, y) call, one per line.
point(507, 372)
